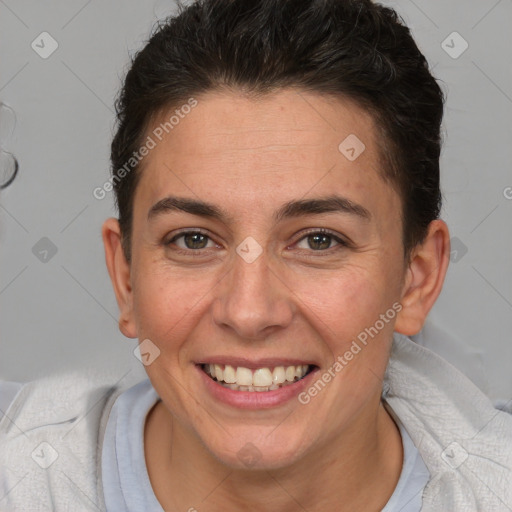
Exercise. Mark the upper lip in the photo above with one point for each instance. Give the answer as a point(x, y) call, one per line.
point(267, 362)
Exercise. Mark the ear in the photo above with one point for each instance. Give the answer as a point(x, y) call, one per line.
point(119, 271)
point(424, 279)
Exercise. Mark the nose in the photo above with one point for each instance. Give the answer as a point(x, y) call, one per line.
point(252, 300)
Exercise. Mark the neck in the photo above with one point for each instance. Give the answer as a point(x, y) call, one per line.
point(357, 470)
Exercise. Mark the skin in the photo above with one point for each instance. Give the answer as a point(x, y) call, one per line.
point(341, 451)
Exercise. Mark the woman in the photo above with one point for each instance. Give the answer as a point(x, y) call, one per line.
point(276, 171)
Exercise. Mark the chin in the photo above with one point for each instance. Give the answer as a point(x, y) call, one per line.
point(257, 452)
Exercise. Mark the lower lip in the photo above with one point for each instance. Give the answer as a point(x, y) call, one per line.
point(255, 399)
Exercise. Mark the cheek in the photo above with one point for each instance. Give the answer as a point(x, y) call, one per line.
point(346, 300)
point(164, 305)
point(345, 309)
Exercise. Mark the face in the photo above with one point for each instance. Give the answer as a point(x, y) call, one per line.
point(269, 281)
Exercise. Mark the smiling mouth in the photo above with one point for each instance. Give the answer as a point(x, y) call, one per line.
point(240, 378)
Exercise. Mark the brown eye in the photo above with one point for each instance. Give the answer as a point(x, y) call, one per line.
point(321, 241)
point(193, 240)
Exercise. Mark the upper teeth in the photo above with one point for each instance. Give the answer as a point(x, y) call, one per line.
point(259, 377)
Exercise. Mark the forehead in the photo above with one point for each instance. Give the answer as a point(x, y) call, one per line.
point(245, 153)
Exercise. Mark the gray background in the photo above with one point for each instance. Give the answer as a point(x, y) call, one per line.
point(62, 313)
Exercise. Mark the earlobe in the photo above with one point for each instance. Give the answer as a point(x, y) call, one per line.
point(424, 279)
point(120, 275)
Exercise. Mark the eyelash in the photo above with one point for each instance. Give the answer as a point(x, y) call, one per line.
point(342, 244)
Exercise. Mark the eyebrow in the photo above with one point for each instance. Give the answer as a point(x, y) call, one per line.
point(297, 208)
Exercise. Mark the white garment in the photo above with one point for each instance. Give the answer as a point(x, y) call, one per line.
point(467, 359)
point(465, 442)
point(126, 484)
